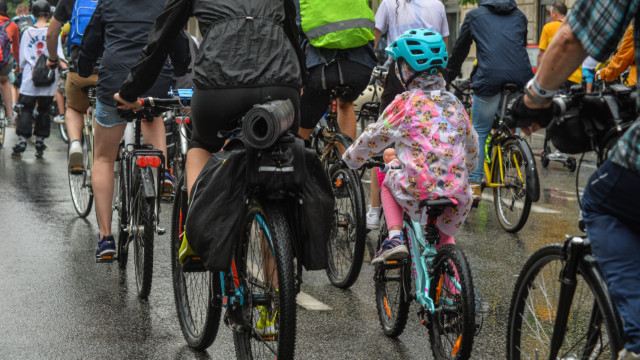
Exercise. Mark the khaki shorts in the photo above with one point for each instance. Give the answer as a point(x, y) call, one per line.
point(77, 97)
point(5, 70)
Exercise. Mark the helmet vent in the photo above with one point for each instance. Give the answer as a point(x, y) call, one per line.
point(412, 42)
point(435, 50)
point(416, 52)
point(428, 34)
point(436, 62)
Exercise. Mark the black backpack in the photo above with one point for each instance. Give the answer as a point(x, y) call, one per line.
point(41, 74)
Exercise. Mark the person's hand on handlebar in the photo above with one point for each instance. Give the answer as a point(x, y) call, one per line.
point(128, 105)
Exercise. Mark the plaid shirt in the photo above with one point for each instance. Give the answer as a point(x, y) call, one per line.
point(599, 25)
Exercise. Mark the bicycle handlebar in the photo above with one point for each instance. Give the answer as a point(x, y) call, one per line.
point(153, 107)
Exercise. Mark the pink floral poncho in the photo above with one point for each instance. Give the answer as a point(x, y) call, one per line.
point(435, 142)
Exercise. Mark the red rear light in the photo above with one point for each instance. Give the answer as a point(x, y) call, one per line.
point(144, 161)
point(182, 120)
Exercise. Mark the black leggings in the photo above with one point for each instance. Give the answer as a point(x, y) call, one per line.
point(216, 110)
point(43, 120)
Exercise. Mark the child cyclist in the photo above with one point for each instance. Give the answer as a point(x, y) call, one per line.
point(435, 147)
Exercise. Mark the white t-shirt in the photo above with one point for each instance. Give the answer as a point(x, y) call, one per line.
point(32, 44)
point(428, 14)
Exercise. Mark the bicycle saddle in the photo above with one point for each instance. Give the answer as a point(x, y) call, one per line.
point(440, 203)
point(510, 88)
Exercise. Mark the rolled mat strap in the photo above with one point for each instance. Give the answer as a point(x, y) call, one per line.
point(265, 123)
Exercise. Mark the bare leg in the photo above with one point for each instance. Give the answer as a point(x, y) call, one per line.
point(106, 140)
point(154, 134)
point(75, 122)
point(196, 159)
point(5, 88)
point(60, 100)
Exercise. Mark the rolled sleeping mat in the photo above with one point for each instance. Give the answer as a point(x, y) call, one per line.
point(265, 123)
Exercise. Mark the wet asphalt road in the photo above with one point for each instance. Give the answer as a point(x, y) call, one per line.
point(56, 302)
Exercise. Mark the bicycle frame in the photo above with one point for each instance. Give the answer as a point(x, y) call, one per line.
point(495, 148)
point(422, 253)
point(576, 250)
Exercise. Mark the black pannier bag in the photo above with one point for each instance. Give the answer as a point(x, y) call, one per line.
point(598, 119)
point(218, 199)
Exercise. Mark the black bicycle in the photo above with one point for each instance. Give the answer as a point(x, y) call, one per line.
point(259, 289)
point(347, 243)
point(137, 195)
point(561, 307)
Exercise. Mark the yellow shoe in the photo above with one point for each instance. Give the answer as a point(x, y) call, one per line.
point(185, 250)
point(476, 193)
point(265, 327)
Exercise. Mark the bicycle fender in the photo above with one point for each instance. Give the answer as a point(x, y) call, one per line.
point(147, 182)
point(533, 190)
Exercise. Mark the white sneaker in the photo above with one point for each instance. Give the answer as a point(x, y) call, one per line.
point(76, 156)
point(373, 218)
point(58, 119)
point(556, 155)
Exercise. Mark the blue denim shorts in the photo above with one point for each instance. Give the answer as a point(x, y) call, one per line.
point(107, 116)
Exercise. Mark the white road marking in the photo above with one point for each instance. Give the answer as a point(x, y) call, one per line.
point(303, 299)
point(534, 208)
point(310, 303)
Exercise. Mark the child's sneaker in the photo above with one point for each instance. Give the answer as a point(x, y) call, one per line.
point(106, 247)
point(58, 119)
point(373, 218)
point(40, 148)
point(391, 249)
point(266, 327)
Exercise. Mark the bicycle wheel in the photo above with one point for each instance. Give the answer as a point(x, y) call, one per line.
point(269, 312)
point(348, 232)
point(142, 225)
point(452, 326)
point(591, 321)
point(121, 219)
point(62, 129)
point(195, 289)
point(80, 184)
point(392, 285)
point(512, 200)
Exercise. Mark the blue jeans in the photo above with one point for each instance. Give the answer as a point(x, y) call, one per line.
point(611, 212)
point(483, 110)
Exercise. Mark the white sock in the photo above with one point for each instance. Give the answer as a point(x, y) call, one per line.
point(394, 233)
point(374, 210)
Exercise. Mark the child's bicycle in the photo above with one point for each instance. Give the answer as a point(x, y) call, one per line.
point(442, 285)
point(510, 170)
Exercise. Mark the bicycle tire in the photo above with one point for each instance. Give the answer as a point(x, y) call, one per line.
point(348, 231)
point(267, 223)
point(196, 291)
point(452, 327)
point(142, 210)
point(513, 213)
point(530, 313)
point(62, 130)
point(3, 130)
point(391, 294)
point(121, 218)
point(80, 184)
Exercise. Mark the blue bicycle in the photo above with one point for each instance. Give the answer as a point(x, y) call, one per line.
point(442, 286)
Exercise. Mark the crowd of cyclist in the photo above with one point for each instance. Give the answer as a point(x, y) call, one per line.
point(253, 50)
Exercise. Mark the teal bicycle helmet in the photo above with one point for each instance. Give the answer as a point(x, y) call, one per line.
point(422, 49)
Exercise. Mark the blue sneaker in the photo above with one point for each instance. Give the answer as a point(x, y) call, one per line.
point(391, 249)
point(168, 183)
point(106, 248)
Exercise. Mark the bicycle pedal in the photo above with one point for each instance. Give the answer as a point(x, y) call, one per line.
point(105, 258)
point(76, 170)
